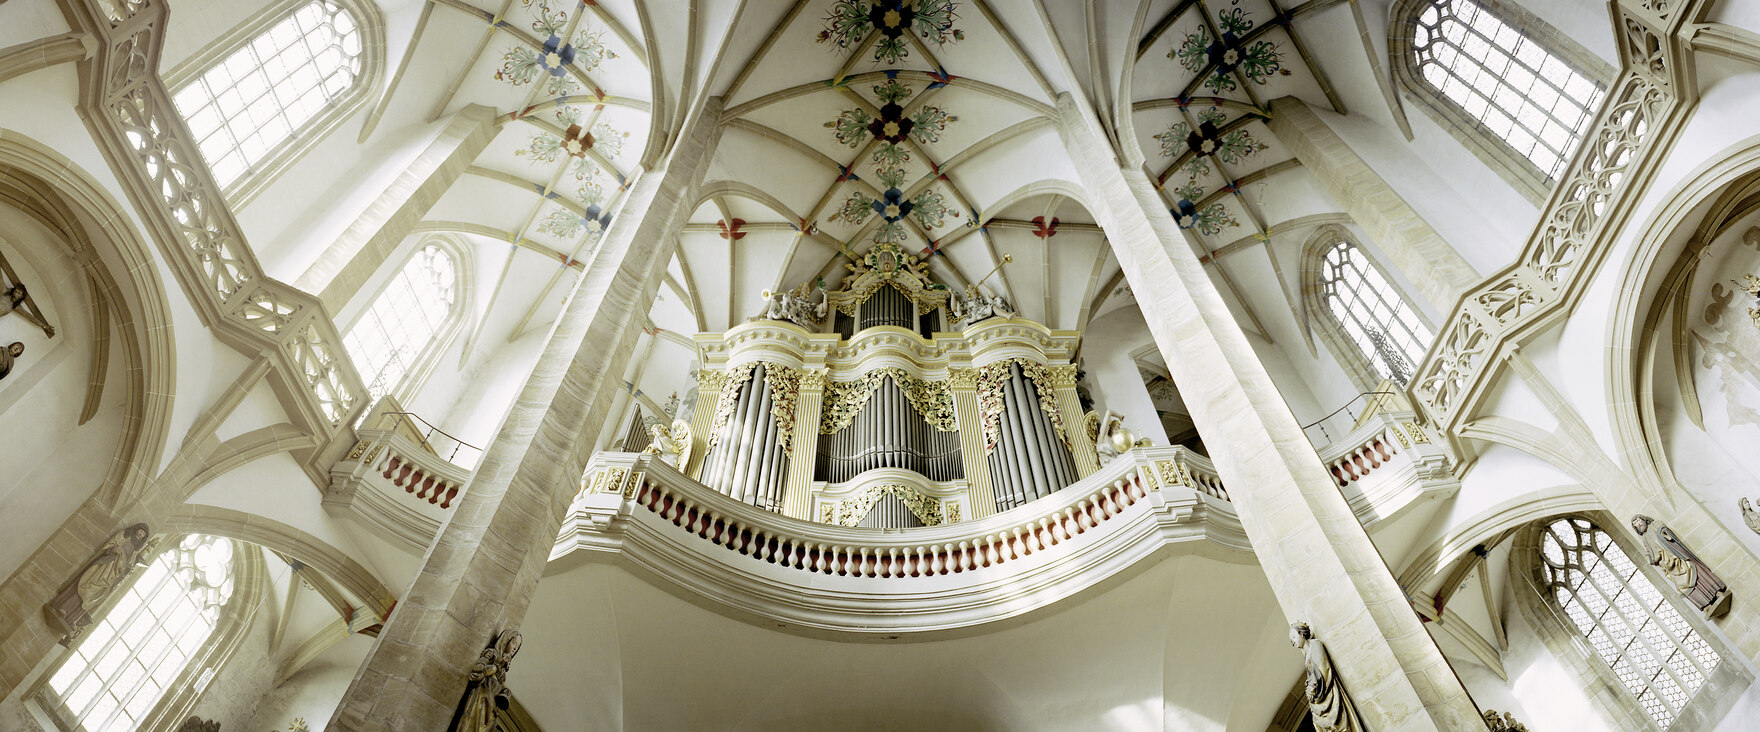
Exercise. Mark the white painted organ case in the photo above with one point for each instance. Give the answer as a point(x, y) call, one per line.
point(874, 407)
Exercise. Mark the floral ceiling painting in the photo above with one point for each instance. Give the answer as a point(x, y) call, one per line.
point(1205, 82)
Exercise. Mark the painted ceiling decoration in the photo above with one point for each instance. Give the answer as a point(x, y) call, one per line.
point(889, 130)
point(522, 64)
point(1234, 50)
point(852, 22)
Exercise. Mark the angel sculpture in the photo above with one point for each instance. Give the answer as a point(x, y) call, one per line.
point(1690, 575)
point(1115, 439)
point(672, 445)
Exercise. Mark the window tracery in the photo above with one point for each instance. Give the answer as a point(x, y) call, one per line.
point(130, 658)
point(1362, 306)
point(1497, 73)
point(409, 317)
point(1656, 654)
point(245, 106)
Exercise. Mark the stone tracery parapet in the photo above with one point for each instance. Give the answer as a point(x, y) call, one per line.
point(130, 113)
point(1645, 109)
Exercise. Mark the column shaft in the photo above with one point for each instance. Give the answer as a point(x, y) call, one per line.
point(1318, 559)
point(479, 575)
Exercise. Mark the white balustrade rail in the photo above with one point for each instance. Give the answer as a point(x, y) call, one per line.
point(641, 513)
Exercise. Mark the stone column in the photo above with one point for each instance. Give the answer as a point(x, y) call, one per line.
point(964, 384)
point(1319, 561)
point(479, 575)
point(797, 492)
point(1439, 272)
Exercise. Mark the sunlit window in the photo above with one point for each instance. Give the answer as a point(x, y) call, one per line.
point(261, 95)
point(128, 659)
point(408, 315)
point(1656, 654)
point(1372, 314)
point(1519, 91)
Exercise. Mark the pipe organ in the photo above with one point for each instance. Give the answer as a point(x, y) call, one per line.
point(854, 410)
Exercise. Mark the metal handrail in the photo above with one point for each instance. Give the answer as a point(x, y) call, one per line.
point(1347, 405)
point(457, 443)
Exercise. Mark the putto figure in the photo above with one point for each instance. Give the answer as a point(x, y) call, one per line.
point(1690, 575)
point(1330, 706)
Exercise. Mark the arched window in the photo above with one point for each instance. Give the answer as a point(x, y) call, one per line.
point(128, 660)
point(1518, 93)
point(1657, 656)
point(278, 83)
point(398, 337)
point(1366, 323)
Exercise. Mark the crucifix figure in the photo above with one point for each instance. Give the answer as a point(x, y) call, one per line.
point(15, 298)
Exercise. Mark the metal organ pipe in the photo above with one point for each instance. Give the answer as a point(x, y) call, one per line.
point(771, 449)
point(1029, 455)
point(741, 459)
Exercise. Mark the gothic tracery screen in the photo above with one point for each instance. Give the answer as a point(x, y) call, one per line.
point(128, 659)
point(407, 316)
point(261, 95)
point(1657, 655)
point(1372, 313)
point(1517, 90)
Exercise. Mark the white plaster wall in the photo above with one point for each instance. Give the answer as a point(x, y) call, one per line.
point(311, 693)
point(25, 22)
point(1113, 378)
point(1540, 691)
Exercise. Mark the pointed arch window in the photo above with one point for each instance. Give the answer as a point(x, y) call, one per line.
point(277, 84)
point(1517, 92)
point(116, 675)
point(1656, 654)
point(1367, 323)
point(398, 338)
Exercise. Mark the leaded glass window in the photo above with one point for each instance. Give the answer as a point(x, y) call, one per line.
point(408, 316)
point(1371, 313)
point(1659, 658)
point(258, 97)
point(1516, 89)
point(127, 660)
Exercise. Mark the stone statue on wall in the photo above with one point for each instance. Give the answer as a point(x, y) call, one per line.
point(71, 609)
point(673, 445)
point(9, 356)
point(1750, 516)
point(1689, 574)
point(487, 691)
point(197, 724)
point(1331, 708)
point(1503, 722)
